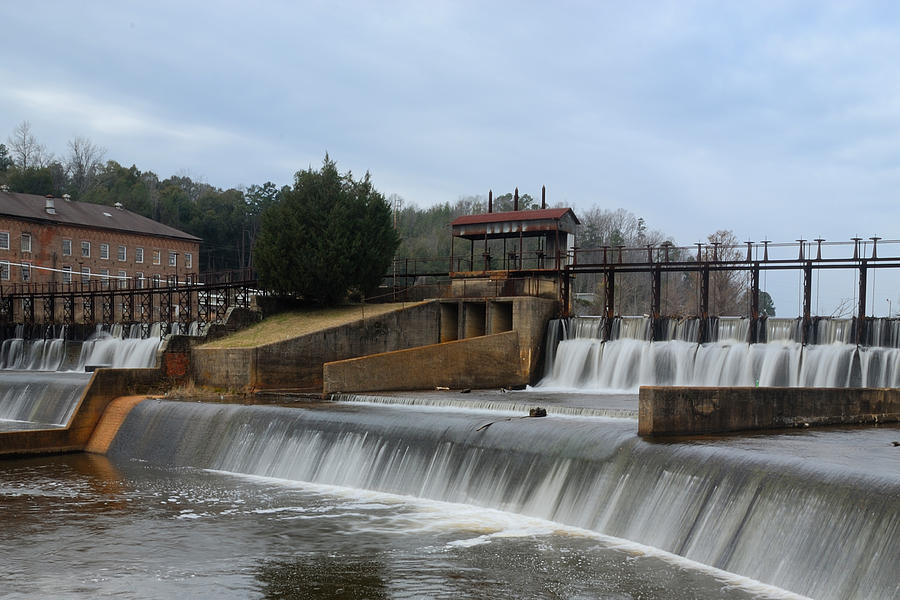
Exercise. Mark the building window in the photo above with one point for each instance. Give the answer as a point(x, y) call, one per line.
point(4, 269)
point(123, 280)
point(138, 255)
point(173, 259)
point(121, 253)
point(4, 240)
point(26, 242)
point(157, 257)
point(156, 280)
point(188, 260)
point(104, 251)
point(85, 274)
point(85, 249)
point(67, 247)
point(26, 271)
point(139, 280)
point(67, 274)
point(104, 278)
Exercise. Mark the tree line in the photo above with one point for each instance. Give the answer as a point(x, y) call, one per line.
point(229, 221)
point(226, 220)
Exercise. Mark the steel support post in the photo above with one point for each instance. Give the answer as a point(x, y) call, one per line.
point(610, 303)
point(68, 309)
point(28, 310)
point(49, 312)
point(704, 305)
point(184, 309)
point(87, 309)
point(6, 309)
point(861, 314)
point(655, 302)
point(109, 308)
point(805, 332)
point(146, 312)
point(128, 307)
point(203, 307)
point(165, 310)
point(754, 303)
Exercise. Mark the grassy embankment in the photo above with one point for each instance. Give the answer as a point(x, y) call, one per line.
point(285, 326)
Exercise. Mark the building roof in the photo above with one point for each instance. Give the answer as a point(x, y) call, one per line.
point(527, 223)
point(84, 214)
point(516, 215)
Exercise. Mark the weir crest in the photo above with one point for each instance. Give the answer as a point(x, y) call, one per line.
point(578, 358)
point(765, 514)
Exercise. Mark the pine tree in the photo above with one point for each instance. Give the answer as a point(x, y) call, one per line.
point(328, 236)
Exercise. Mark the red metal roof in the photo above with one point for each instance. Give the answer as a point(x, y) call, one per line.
point(516, 215)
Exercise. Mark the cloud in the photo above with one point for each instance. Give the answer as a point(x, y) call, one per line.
point(106, 119)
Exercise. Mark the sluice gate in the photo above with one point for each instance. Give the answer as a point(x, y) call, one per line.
point(753, 258)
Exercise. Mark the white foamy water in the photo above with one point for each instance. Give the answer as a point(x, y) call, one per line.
point(756, 514)
point(581, 360)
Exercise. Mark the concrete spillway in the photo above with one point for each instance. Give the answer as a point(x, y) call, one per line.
point(578, 357)
point(32, 400)
point(796, 512)
point(112, 347)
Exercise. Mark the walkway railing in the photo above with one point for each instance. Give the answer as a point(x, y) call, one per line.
point(179, 299)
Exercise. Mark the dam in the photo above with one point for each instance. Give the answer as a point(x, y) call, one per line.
point(418, 495)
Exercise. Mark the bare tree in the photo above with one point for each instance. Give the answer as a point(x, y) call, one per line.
point(26, 151)
point(727, 289)
point(845, 308)
point(84, 162)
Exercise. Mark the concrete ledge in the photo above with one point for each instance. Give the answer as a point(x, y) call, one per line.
point(110, 422)
point(489, 361)
point(297, 363)
point(104, 386)
point(703, 410)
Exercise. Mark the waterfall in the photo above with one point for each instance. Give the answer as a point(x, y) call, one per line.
point(624, 363)
point(46, 352)
point(815, 527)
point(29, 400)
point(107, 350)
point(109, 346)
point(37, 355)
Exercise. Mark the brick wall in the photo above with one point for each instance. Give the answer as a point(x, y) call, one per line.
point(47, 251)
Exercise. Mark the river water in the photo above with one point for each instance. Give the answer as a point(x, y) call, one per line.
point(82, 526)
point(440, 496)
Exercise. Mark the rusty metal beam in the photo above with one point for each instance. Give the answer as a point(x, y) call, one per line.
point(807, 303)
point(861, 314)
point(610, 303)
point(704, 304)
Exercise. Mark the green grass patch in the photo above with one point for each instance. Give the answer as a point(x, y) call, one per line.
point(287, 325)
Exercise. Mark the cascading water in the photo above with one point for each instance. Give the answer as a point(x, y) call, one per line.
point(582, 360)
point(45, 352)
point(112, 346)
point(32, 400)
point(109, 348)
point(787, 512)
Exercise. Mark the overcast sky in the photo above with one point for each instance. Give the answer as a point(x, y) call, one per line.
point(773, 119)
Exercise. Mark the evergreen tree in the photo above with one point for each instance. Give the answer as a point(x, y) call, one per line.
point(325, 237)
point(5, 161)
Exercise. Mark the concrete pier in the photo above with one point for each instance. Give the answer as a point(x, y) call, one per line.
point(105, 385)
point(708, 410)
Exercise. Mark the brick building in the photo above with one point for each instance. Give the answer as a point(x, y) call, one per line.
point(46, 240)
